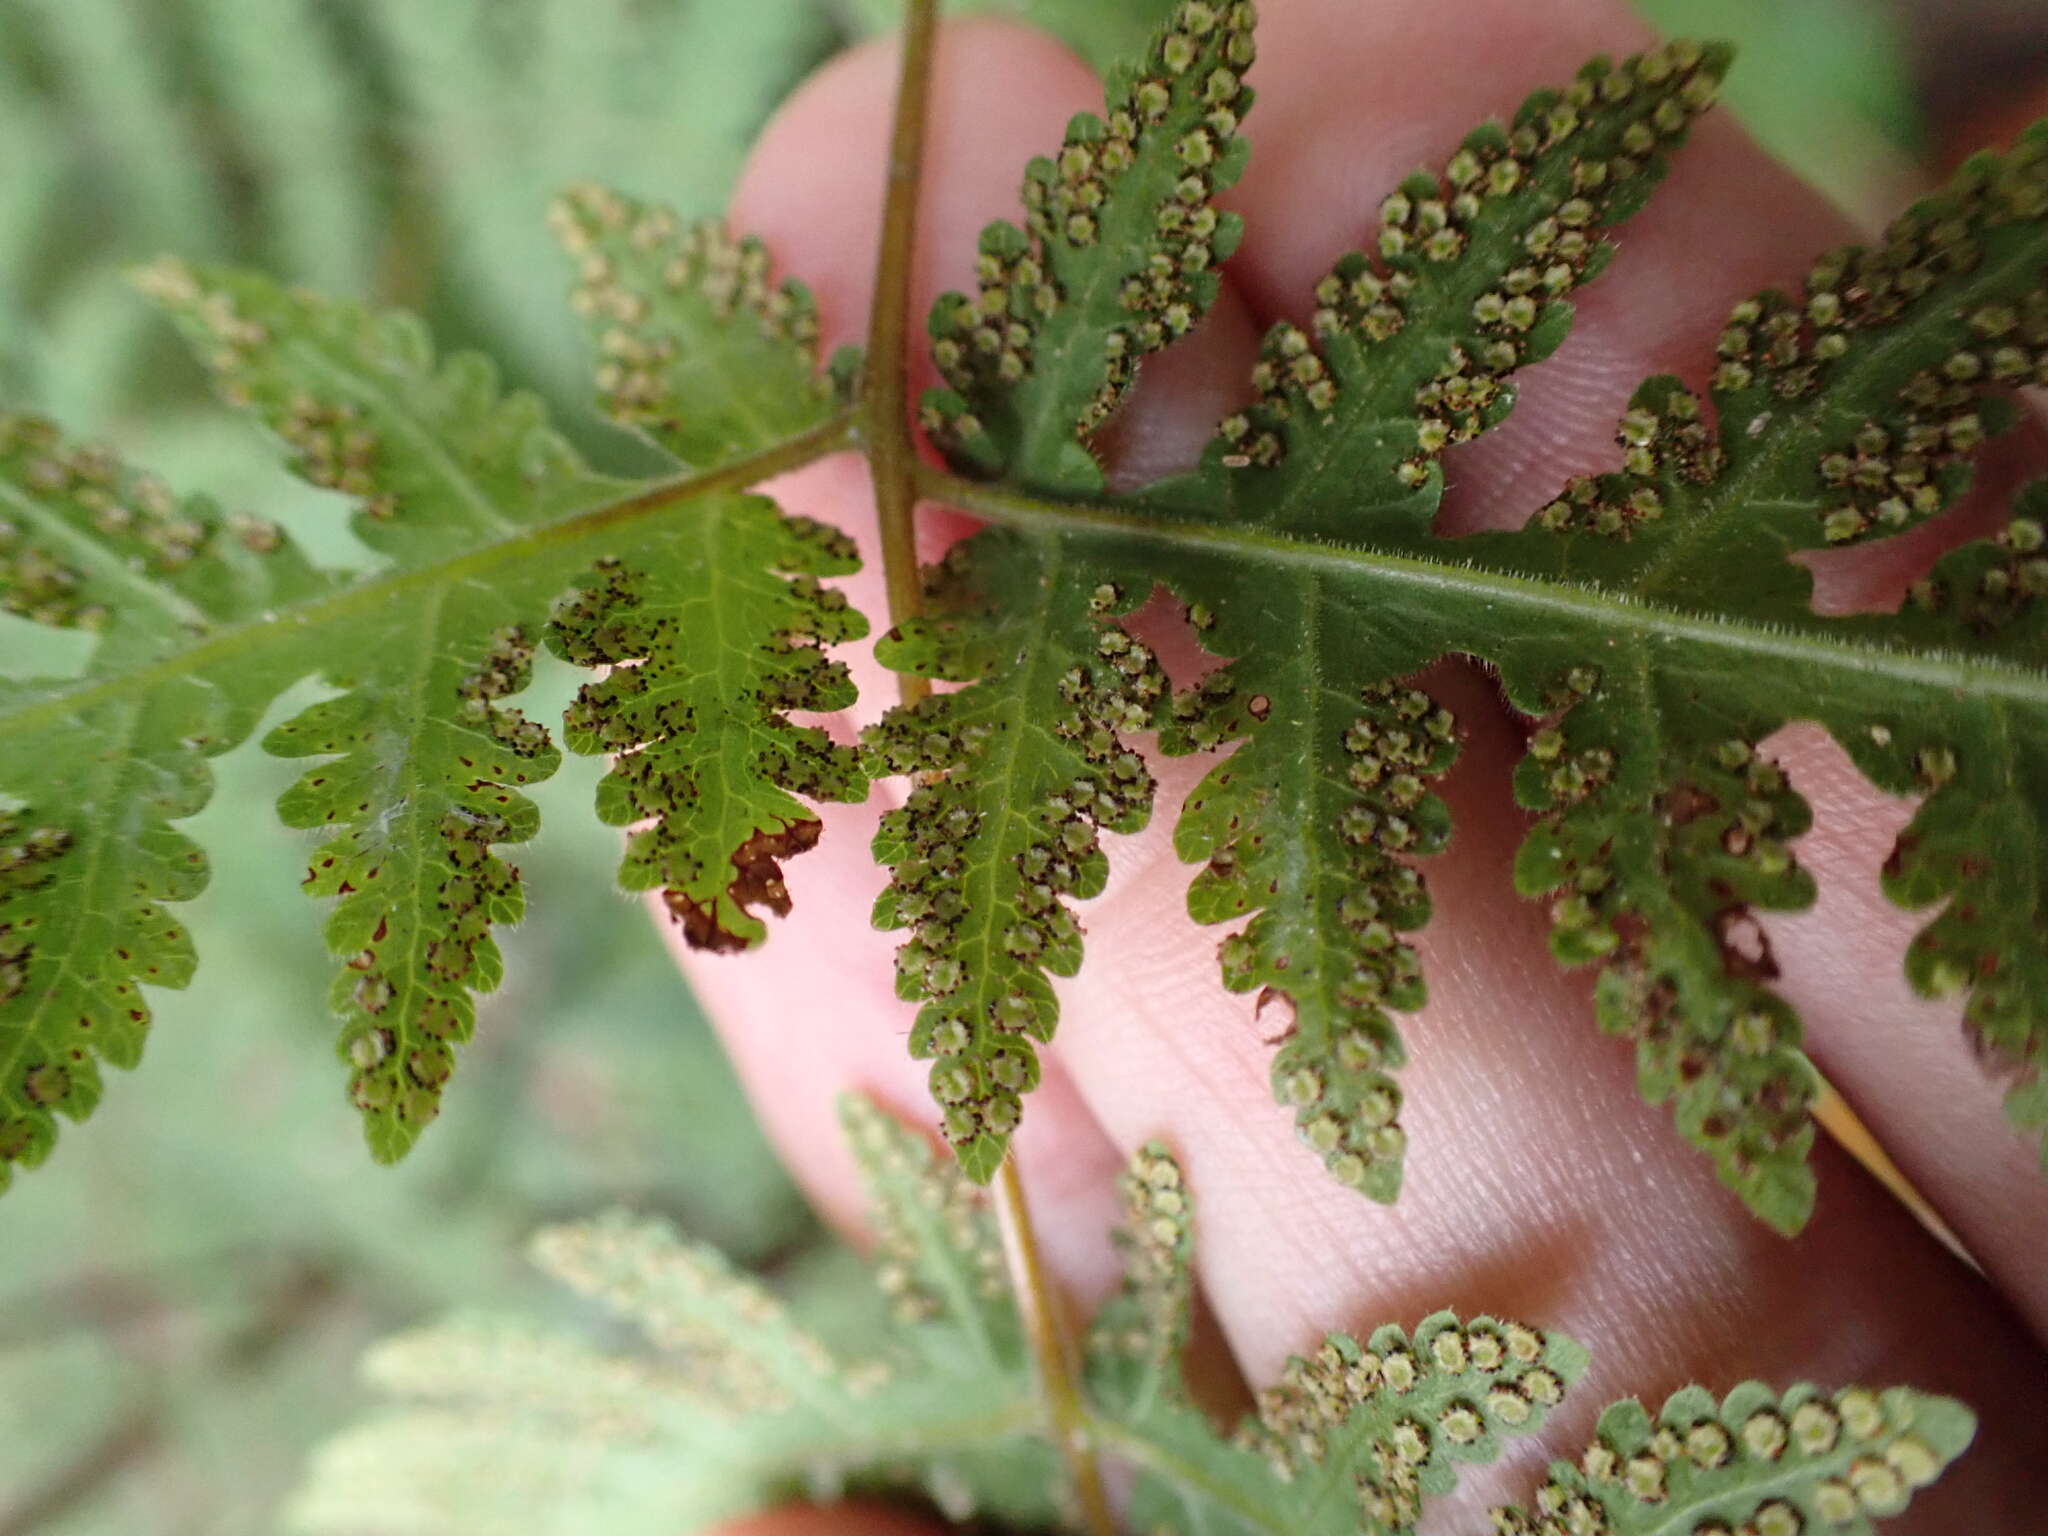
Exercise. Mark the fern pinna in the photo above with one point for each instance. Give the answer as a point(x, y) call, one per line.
point(1646, 620)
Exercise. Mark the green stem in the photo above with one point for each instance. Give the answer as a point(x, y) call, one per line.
point(894, 468)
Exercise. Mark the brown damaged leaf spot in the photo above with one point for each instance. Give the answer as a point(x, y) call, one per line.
point(758, 883)
point(1686, 803)
point(1745, 945)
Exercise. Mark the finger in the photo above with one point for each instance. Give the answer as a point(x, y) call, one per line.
point(1903, 1062)
point(829, 1520)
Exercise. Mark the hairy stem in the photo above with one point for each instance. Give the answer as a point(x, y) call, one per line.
point(894, 469)
point(892, 455)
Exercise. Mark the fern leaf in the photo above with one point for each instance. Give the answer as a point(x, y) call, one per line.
point(1756, 1460)
point(740, 1406)
point(737, 1405)
point(1413, 345)
point(88, 852)
point(1119, 256)
point(1018, 774)
point(422, 759)
point(1137, 1337)
point(709, 753)
point(1648, 621)
point(1312, 821)
point(1307, 828)
point(938, 1253)
point(1024, 768)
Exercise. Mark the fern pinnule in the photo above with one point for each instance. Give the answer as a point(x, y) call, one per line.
point(1119, 255)
point(696, 348)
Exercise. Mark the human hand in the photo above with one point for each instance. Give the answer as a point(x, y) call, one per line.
point(1538, 1185)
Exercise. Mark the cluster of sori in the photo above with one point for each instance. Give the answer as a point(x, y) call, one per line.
point(26, 851)
point(1990, 588)
point(1437, 1398)
point(1491, 247)
point(944, 1199)
point(1665, 438)
point(633, 260)
point(1153, 255)
point(1832, 1464)
point(1900, 465)
point(1149, 1321)
point(333, 446)
point(1731, 1049)
point(1333, 1067)
point(133, 518)
point(979, 961)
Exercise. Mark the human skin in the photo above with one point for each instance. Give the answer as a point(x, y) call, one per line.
point(1538, 1185)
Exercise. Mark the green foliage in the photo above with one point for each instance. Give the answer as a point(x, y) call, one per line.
point(406, 151)
point(1648, 621)
point(498, 1424)
point(483, 516)
point(90, 854)
point(1118, 257)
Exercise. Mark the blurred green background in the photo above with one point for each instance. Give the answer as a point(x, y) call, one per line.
point(184, 1288)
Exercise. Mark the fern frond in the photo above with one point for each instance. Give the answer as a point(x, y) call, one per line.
point(938, 1253)
point(1413, 345)
point(423, 759)
point(739, 1405)
point(1649, 622)
point(1758, 1461)
point(1307, 828)
point(1850, 414)
point(1354, 1438)
point(1312, 821)
point(484, 518)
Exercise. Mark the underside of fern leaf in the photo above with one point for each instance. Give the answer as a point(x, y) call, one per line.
point(1649, 621)
point(714, 619)
point(496, 1425)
